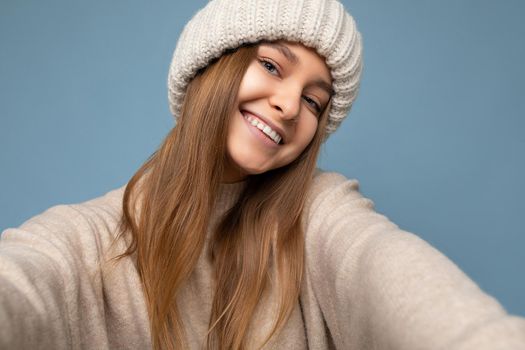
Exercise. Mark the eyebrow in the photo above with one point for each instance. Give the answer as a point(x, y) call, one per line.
point(292, 58)
point(320, 83)
point(286, 52)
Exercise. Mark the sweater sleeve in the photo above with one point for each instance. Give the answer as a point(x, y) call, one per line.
point(379, 287)
point(46, 286)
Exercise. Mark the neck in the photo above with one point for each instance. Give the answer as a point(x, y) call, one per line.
point(232, 173)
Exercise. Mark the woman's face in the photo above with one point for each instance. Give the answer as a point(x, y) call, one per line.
point(280, 99)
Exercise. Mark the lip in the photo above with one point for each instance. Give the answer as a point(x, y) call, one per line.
point(259, 134)
point(269, 123)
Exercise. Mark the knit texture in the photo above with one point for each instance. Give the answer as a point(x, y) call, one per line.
point(226, 24)
point(367, 285)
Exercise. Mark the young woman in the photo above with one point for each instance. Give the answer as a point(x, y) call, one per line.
point(228, 237)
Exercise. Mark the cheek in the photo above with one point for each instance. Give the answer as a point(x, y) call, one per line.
point(249, 83)
point(306, 130)
point(234, 132)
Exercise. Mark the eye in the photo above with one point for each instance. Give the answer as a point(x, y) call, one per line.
point(312, 103)
point(269, 66)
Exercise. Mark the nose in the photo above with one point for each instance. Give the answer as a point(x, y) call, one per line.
point(287, 103)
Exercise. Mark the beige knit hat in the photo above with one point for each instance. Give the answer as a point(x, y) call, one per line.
point(226, 24)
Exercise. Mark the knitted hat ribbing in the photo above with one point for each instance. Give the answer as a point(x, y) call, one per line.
point(227, 24)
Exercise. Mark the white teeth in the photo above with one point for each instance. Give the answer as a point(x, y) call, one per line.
point(264, 128)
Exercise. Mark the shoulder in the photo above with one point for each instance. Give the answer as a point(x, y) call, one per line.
point(82, 230)
point(329, 189)
point(325, 182)
point(100, 212)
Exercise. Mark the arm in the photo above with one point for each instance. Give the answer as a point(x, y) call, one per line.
point(380, 287)
point(41, 276)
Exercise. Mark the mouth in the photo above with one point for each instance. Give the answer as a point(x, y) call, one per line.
point(266, 129)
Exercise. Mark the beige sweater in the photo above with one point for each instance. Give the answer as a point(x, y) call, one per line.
point(368, 285)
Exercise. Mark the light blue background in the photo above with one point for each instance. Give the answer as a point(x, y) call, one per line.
point(436, 137)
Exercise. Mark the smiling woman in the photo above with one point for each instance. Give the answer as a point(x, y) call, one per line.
point(280, 101)
point(228, 237)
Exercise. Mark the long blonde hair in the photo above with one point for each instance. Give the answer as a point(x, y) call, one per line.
point(168, 203)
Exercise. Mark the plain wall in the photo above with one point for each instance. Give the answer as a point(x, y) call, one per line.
point(436, 137)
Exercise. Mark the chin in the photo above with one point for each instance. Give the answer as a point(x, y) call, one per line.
point(254, 170)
